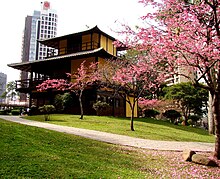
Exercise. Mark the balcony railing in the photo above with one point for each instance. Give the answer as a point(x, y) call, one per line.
point(73, 49)
point(28, 83)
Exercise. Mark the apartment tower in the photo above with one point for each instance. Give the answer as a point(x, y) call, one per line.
point(3, 81)
point(41, 25)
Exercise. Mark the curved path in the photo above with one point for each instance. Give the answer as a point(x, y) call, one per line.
point(117, 139)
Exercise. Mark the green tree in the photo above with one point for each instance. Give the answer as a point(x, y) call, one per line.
point(47, 110)
point(190, 99)
point(100, 106)
point(63, 101)
point(10, 91)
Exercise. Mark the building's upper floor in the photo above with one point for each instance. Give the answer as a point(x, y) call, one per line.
point(90, 39)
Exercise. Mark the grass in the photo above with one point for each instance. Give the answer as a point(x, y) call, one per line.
point(30, 152)
point(144, 128)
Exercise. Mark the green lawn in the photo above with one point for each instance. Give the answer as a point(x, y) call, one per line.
point(144, 128)
point(30, 152)
point(37, 153)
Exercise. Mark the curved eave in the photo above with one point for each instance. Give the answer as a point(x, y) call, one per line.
point(36, 66)
point(54, 42)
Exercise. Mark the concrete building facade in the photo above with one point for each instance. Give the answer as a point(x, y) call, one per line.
point(3, 82)
point(41, 25)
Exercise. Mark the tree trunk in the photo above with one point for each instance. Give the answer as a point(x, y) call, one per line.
point(132, 118)
point(210, 116)
point(80, 104)
point(216, 115)
point(186, 113)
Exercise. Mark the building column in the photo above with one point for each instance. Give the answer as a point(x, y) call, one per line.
point(30, 87)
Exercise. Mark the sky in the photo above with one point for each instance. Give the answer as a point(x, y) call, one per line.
point(73, 16)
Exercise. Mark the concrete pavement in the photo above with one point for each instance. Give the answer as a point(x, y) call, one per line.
point(117, 139)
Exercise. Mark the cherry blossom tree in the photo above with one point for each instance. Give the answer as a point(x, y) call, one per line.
point(144, 103)
point(80, 80)
point(130, 79)
point(186, 36)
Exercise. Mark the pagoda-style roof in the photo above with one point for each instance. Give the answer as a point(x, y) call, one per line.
point(54, 42)
point(44, 66)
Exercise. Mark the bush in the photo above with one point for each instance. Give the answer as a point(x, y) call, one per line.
point(151, 113)
point(3, 112)
point(194, 119)
point(47, 110)
point(33, 110)
point(58, 103)
point(173, 115)
point(15, 112)
point(100, 106)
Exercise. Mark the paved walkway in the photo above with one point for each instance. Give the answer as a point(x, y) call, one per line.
point(117, 139)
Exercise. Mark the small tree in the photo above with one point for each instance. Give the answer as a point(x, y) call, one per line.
point(151, 113)
point(81, 79)
point(63, 101)
point(100, 106)
point(58, 103)
point(130, 79)
point(147, 107)
point(190, 98)
point(10, 91)
point(173, 115)
point(194, 119)
point(47, 110)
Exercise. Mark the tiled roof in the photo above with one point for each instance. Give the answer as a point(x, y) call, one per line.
point(26, 66)
point(53, 42)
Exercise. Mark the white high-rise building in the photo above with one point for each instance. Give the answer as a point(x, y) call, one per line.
point(41, 25)
point(3, 81)
point(47, 28)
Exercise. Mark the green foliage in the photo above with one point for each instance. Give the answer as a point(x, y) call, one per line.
point(33, 110)
point(10, 90)
point(3, 112)
point(173, 115)
point(194, 118)
point(47, 110)
point(151, 113)
point(191, 99)
point(67, 99)
point(100, 106)
point(15, 112)
point(63, 101)
point(58, 103)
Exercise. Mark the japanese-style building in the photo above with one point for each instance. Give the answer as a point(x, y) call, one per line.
point(69, 51)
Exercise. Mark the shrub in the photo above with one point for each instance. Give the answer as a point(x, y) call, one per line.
point(100, 106)
point(7, 111)
point(3, 112)
point(151, 113)
point(173, 115)
point(15, 112)
point(47, 110)
point(194, 119)
point(58, 103)
point(33, 110)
